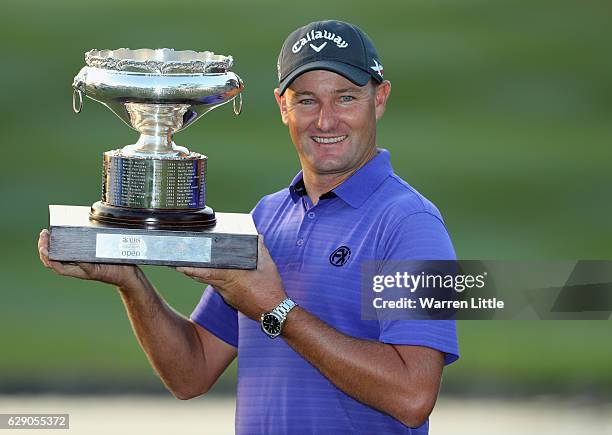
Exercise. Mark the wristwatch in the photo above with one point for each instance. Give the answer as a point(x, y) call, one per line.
point(272, 322)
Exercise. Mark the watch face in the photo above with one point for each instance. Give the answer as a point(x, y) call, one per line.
point(271, 324)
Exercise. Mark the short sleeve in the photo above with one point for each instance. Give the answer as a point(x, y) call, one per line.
point(215, 315)
point(420, 236)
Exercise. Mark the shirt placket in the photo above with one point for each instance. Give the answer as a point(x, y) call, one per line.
point(306, 226)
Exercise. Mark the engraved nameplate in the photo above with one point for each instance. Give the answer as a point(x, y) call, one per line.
point(151, 183)
point(147, 247)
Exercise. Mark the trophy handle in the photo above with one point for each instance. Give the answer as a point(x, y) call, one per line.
point(78, 88)
point(77, 107)
point(237, 110)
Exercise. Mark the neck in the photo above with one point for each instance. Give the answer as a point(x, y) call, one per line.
point(318, 184)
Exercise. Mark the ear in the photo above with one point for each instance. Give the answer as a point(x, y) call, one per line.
point(380, 99)
point(282, 105)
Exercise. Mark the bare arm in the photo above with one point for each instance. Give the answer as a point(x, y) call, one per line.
point(402, 381)
point(187, 357)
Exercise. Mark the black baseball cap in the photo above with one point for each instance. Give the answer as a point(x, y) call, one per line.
point(330, 45)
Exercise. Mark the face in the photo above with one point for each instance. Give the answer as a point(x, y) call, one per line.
point(332, 121)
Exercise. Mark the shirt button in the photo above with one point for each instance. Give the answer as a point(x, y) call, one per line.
point(300, 242)
point(311, 214)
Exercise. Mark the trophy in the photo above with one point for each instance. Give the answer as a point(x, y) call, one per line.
point(153, 207)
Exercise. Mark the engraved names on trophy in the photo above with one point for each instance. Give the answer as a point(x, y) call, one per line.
point(154, 183)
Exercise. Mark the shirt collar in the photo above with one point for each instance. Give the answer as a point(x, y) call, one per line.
point(356, 189)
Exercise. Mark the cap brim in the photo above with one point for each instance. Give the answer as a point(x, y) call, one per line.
point(354, 74)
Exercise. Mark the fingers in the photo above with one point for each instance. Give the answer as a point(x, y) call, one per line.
point(264, 260)
point(43, 237)
point(43, 248)
point(61, 268)
point(43, 240)
point(89, 268)
point(68, 269)
point(204, 275)
point(194, 272)
point(261, 246)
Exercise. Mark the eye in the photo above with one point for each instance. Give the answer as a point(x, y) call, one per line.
point(306, 101)
point(346, 98)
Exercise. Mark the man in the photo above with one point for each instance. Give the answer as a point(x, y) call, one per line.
point(326, 370)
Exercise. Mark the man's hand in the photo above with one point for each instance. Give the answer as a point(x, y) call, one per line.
point(115, 274)
point(252, 292)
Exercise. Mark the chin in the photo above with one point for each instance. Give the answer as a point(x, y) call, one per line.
point(330, 166)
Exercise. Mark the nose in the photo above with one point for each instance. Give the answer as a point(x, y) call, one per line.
point(327, 120)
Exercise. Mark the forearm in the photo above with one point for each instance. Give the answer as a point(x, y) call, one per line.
point(369, 371)
point(169, 339)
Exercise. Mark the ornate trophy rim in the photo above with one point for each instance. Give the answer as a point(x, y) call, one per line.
point(201, 80)
point(163, 61)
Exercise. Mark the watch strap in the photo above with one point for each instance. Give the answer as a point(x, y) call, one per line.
point(284, 307)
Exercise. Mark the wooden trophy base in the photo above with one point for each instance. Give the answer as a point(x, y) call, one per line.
point(230, 244)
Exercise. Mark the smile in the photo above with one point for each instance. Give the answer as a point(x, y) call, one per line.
point(334, 139)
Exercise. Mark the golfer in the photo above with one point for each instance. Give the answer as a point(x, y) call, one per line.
point(307, 362)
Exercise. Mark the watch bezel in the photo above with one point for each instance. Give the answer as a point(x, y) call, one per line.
point(280, 322)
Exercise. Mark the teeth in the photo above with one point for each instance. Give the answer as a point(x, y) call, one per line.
point(328, 139)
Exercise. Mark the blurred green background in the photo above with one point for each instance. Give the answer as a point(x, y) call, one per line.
point(500, 113)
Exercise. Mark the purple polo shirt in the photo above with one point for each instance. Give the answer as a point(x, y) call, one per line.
point(373, 215)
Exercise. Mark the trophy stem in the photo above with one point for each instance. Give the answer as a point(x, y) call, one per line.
point(156, 124)
point(155, 144)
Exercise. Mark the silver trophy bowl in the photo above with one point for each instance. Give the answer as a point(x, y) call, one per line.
point(155, 182)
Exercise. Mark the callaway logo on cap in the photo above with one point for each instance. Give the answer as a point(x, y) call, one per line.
point(329, 45)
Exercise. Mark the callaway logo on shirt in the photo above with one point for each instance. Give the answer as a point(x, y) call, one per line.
point(313, 35)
